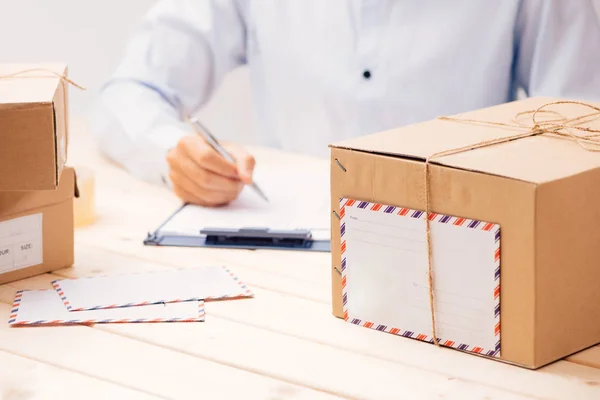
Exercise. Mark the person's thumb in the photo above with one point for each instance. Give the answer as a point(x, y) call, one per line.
point(246, 168)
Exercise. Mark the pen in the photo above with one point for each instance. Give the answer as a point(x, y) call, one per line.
point(214, 143)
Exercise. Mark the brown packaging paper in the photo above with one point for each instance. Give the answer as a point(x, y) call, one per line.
point(544, 192)
point(33, 126)
point(36, 230)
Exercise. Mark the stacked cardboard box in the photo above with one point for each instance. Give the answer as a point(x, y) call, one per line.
point(36, 186)
point(536, 196)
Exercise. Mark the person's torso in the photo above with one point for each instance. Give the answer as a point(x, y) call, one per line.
point(329, 70)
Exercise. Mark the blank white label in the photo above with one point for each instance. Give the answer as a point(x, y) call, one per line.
point(21, 242)
point(385, 269)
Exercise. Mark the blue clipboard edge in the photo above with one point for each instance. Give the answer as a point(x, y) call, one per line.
point(199, 241)
point(157, 239)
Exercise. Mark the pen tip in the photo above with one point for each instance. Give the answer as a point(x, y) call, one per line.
point(259, 192)
point(264, 197)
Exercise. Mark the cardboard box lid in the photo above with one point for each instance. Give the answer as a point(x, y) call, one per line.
point(17, 202)
point(33, 126)
point(32, 87)
point(535, 159)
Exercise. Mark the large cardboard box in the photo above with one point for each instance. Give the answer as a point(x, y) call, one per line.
point(543, 191)
point(33, 126)
point(36, 230)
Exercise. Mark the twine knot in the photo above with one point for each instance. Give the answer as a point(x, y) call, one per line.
point(558, 126)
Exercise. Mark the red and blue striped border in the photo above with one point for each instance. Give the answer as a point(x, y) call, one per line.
point(17, 302)
point(246, 292)
point(437, 218)
point(15, 307)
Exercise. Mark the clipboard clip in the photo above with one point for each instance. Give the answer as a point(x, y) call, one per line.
point(258, 237)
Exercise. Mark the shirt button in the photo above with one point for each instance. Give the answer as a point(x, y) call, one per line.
point(367, 74)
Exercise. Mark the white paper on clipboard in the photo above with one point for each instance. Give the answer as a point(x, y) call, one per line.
point(297, 200)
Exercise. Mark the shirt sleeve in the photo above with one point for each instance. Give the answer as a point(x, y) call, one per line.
point(176, 58)
point(558, 49)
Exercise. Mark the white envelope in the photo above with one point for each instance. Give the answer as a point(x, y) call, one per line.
point(205, 283)
point(44, 307)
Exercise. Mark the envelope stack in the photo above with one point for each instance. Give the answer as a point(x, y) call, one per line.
point(162, 296)
point(36, 186)
point(477, 232)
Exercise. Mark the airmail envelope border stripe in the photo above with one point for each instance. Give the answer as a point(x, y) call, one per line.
point(15, 307)
point(246, 292)
point(12, 321)
point(437, 218)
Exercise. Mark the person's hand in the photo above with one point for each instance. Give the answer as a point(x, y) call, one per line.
point(202, 176)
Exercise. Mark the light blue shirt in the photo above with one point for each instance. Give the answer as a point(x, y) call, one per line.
point(325, 70)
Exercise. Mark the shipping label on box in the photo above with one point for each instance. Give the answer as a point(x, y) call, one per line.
point(384, 263)
point(36, 230)
point(21, 242)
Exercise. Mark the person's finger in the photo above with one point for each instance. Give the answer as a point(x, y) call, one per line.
point(183, 193)
point(185, 185)
point(213, 182)
point(220, 193)
point(207, 158)
point(245, 162)
point(203, 178)
point(185, 189)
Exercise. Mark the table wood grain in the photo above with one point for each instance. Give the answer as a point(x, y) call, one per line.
point(282, 344)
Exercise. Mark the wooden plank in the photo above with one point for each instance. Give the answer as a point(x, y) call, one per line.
point(256, 268)
point(23, 378)
point(128, 223)
point(137, 365)
point(589, 357)
point(294, 360)
point(122, 228)
point(582, 374)
point(263, 274)
point(309, 320)
point(287, 303)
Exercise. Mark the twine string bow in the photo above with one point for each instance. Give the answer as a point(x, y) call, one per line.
point(558, 126)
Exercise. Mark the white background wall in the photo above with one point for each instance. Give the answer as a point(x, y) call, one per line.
point(90, 36)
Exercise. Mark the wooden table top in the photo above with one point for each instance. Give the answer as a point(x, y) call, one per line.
point(282, 344)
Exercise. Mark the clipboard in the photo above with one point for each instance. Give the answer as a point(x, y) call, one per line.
point(249, 238)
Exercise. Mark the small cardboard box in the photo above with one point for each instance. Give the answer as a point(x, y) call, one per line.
point(33, 126)
point(36, 230)
point(543, 191)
